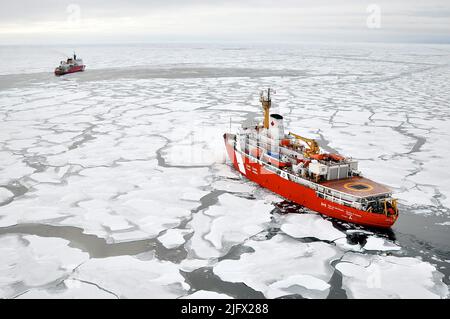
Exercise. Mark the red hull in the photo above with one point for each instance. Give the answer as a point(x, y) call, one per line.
point(303, 195)
point(78, 68)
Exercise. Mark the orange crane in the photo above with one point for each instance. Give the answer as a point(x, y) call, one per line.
point(313, 146)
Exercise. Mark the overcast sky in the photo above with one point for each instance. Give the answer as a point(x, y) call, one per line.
point(125, 21)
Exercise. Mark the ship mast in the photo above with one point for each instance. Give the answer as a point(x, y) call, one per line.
point(266, 102)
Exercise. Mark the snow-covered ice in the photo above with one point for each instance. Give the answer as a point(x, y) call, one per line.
point(373, 276)
point(5, 195)
point(33, 261)
point(310, 225)
point(380, 244)
point(71, 289)
point(234, 186)
point(204, 294)
point(173, 238)
point(283, 266)
point(231, 221)
point(129, 277)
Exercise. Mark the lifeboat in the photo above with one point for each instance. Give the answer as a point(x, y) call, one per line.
point(325, 157)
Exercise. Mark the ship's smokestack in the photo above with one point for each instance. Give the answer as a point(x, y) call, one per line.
point(276, 126)
point(276, 131)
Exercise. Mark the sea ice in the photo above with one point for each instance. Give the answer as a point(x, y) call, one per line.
point(345, 245)
point(12, 168)
point(202, 148)
point(98, 154)
point(51, 175)
point(197, 245)
point(205, 294)
point(377, 169)
point(231, 107)
point(129, 277)
point(105, 200)
point(5, 195)
point(189, 265)
point(73, 289)
point(416, 196)
point(35, 261)
point(373, 276)
point(299, 284)
point(354, 117)
point(225, 171)
point(293, 267)
point(310, 225)
point(231, 221)
point(240, 186)
point(380, 244)
point(195, 195)
point(173, 238)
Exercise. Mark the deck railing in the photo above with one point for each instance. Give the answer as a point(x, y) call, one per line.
point(322, 191)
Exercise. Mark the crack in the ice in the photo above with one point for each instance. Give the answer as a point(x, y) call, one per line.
point(96, 285)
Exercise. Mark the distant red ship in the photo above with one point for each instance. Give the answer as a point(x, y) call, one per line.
point(295, 168)
point(72, 65)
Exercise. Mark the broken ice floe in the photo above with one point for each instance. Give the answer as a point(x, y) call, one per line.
point(69, 289)
point(380, 244)
point(233, 186)
point(173, 238)
point(50, 175)
point(225, 171)
point(129, 277)
point(5, 195)
point(204, 294)
point(194, 195)
point(310, 225)
point(104, 200)
point(373, 276)
point(344, 244)
point(283, 266)
point(32, 261)
point(231, 221)
point(12, 168)
point(201, 146)
point(189, 265)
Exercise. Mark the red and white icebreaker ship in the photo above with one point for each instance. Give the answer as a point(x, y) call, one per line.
point(72, 65)
point(297, 169)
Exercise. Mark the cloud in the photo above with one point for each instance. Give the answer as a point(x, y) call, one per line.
point(226, 20)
